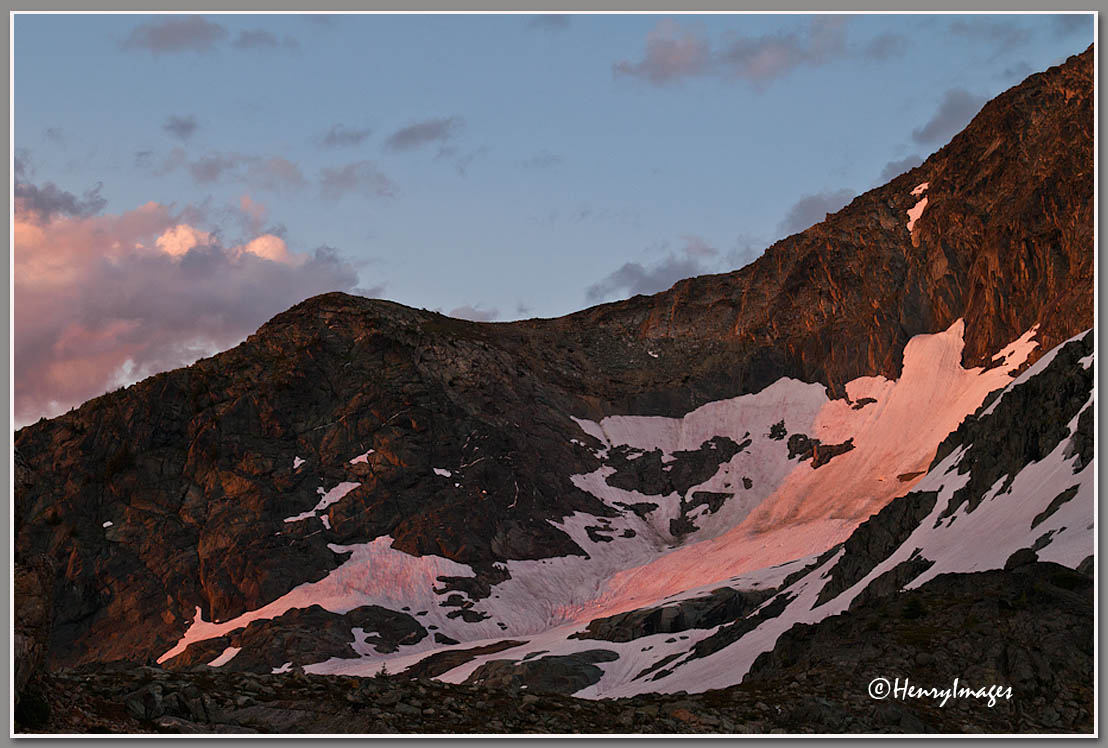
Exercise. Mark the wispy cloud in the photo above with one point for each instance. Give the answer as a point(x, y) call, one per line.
point(181, 126)
point(1005, 35)
point(549, 21)
point(268, 173)
point(671, 53)
point(176, 34)
point(425, 132)
point(894, 169)
point(542, 160)
point(262, 39)
point(886, 46)
point(957, 108)
point(474, 313)
point(194, 33)
point(360, 177)
point(674, 53)
point(695, 258)
point(813, 208)
point(341, 136)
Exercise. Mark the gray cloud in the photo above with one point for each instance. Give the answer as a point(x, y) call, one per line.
point(1071, 23)
point(811, 209)
point(894, 169)
point(550, 21)
point(268, 173)
point(341, 136)
point(542, 160)
point(1003, 34)
point(435, 130)
point(673, 53)
point(886, 46)
point(261, 39)
point(464, 161)
point(762, 59)
point(695, 258)
point(181, 126)
point(123, 310)
point(1017, 71)
point(955, 111)
point(176, 34)
point(48, 201)
point(359, 177)
point(273, 174)
point(474, 313)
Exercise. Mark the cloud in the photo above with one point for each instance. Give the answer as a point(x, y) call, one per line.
point(176, 34)
point(1016, 71)
point(268, 173)
point(636, 278)
point(764, 58)
point(273, 174)
point(181, 126)
point(417, 134)
point(464, 161)
point(1003, 34)
point(955, 111)
point(261, 39)
point(341, 136)
point(894, 169)
point(542, 160)
point(550, 21)
point(886, 46)
point(811, 209)
point(42, 204)
point(359, 177)
point(104, 300)
point(673, 53)
point(1071, 23)
point(474, 313)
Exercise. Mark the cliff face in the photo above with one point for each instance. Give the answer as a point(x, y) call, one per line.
point(223, 486)
point(1002, 241)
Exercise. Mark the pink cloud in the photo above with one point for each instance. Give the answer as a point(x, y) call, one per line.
point(104, 300)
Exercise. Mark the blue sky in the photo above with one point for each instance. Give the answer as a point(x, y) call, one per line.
point(494, 166)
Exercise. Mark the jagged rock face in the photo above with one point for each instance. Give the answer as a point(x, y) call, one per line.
point(1029, 628)
point(1003, 241)
point(201, 487)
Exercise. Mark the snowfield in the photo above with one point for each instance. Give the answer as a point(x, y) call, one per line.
point(780, 514)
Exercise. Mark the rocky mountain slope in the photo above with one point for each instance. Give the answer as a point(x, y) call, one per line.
point(643, 496)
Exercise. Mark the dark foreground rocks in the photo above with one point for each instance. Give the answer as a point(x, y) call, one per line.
point(1028, 627)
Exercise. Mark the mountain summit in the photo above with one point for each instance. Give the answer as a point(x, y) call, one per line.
point(642, 496)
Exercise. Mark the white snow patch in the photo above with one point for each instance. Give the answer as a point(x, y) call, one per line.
point(375, 574)
point(652, 354)
point(107, 524)
point(283, 669)
point(328, 498)
point(225, 656)
point(915, 212)
point(296, 462)
point(364, 457)
point(919, 189)
point(443, 472)
point(325, 520)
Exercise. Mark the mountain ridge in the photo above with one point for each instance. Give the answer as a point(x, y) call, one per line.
point(524, 479)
